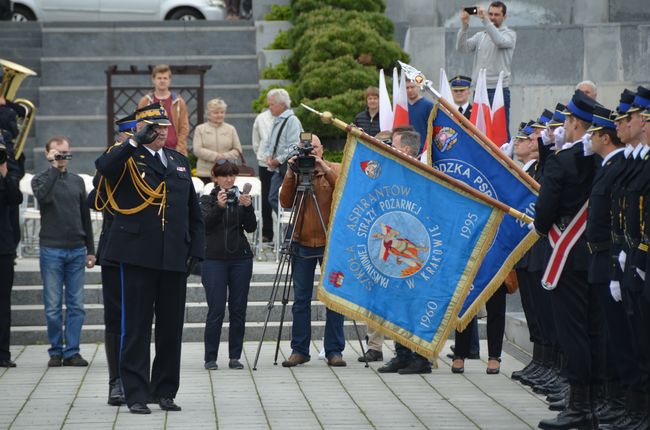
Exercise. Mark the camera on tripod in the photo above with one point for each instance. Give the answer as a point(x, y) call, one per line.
point(305, 162)
point(59, 157)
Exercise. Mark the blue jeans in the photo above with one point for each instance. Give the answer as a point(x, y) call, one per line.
point(304, 265)
point(506, 104)
point(226, 280)
point(59, 267)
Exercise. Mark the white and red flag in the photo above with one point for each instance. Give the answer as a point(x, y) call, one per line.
point(385, 105)
point(481, 113)
point(401, 111)
point(498, 132)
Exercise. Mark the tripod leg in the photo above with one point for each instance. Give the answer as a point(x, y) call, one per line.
point(269, 306)
point(363, 351)
point(285, 300)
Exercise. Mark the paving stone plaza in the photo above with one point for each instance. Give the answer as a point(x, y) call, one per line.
point(310, 396)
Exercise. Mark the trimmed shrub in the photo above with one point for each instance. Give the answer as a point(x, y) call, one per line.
point(281, 41)
point(281, 71)
point(278, 13)
point(299, 7)
point(328, 78)
point(344, 107)
point(343, 18)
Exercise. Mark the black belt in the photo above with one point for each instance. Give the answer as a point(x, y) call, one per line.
point(595, 247)
point(618, 239)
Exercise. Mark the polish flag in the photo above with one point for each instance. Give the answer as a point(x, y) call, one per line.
point(395, 86)
point(385, 107)
point(445, 88)
point(401, 111)
point(499, 131)
point(481, 115)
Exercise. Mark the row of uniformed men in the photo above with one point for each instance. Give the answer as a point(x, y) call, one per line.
point(586, 299)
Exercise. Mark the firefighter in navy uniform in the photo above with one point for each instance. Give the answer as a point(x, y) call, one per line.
point(111, 285)
point(598, 233)
point(576, 309)
point(156, 235)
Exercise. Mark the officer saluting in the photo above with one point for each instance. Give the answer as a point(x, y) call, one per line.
point(576, 307)
point(157, 230)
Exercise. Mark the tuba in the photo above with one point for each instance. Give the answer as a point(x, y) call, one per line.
point(12, 76)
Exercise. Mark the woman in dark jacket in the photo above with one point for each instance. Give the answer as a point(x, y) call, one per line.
point(228, 266)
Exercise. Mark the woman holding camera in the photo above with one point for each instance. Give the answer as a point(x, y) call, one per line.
point(214, 140)
point(228, 266)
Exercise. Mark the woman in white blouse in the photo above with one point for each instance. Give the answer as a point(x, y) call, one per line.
point(214, 140)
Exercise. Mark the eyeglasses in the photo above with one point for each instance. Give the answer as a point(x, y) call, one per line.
point(223, 161)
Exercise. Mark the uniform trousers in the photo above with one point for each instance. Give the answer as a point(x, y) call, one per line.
point(6, 284)
point(641, 321)
point(146, 292)
point(580, 322)
point(544, 312)
point(112, 295)
point(620, 347)
point(535, 329)
point(496, 323)
point(267, 212)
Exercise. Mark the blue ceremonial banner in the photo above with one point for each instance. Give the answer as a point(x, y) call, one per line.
point(403, 246)
point(460, 155)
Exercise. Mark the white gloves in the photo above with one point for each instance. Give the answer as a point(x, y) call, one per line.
point(559, 137)
point(586, 143)
point(545, 138)
point(531, 226)
point(615, 290)
point(622, 257)
point(508, 147)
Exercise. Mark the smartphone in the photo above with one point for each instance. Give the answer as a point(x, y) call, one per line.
point(472, 10)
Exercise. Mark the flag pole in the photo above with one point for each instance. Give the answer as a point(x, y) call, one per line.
point(328, 118)
point(415, 75)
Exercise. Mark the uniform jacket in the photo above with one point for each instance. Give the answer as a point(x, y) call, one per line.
point(599, 219)
point(178, 116)
point(565, 187)
point(10, 196)
point(139, 239)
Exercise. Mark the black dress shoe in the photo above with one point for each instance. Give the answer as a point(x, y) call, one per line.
point(393, 366)
point(371, 355)
point(416, 367)
point(115, 393)
point(167, 404)
point(493, 370)
point(456, 369)
point(139, 408)
point(235, 364)
point(7, 363)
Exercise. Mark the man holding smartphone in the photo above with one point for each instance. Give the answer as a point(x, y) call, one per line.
point(493, 48)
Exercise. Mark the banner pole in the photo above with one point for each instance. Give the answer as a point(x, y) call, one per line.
point(328, 118)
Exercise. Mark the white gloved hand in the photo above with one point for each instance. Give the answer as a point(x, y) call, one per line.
point(531, 226)
point(622, 257)
point(641, 273)
point(615, 290)
point(508, 148)
point(586, 144)
point(545, 139)
point(559, 137)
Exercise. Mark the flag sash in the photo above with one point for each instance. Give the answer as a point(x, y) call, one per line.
point(562, 243)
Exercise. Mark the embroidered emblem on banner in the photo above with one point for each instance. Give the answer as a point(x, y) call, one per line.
point(371, 168)
point(444, 138)
point(336, 279)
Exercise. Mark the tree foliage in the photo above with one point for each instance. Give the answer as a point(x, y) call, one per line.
point(299, 7)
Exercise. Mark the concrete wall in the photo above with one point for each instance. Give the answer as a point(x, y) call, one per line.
point(549, 61)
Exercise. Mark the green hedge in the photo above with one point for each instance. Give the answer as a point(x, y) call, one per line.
point(343, 18)
point(326, 79)
point(344, 106)
point(278, 13)
point(281, 41)
point(299, 7)
point(280, 71)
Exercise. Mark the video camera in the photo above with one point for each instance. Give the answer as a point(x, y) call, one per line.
point(305, 163)
point(3, 153)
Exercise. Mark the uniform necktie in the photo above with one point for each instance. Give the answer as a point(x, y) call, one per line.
point(460, 109)
point(157, 157)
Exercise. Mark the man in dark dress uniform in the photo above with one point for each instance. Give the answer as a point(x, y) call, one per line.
point(156, 232)
point(460, 92)
point(111, 283)
point(598, 233)
point(576, 309)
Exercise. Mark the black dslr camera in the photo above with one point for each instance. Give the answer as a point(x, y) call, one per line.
point(305, 163)
point(3, 153)
point(231, 196)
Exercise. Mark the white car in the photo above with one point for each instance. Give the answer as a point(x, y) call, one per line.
point(117, 10)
